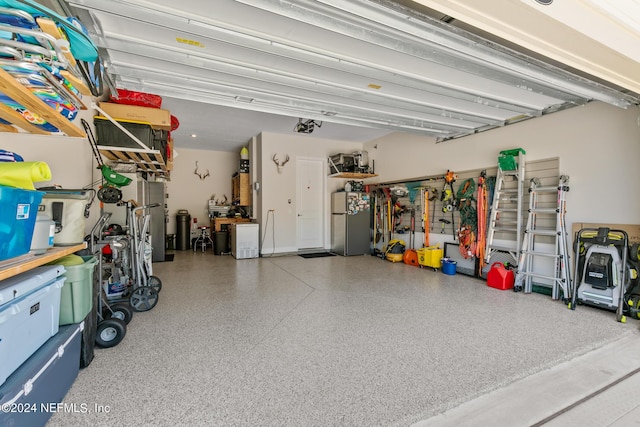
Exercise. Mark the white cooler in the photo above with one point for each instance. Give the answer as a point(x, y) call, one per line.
point(29, 314)
point(67, 210)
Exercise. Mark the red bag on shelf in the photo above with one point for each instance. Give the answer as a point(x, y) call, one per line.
point(140, 99)
point(174, 122)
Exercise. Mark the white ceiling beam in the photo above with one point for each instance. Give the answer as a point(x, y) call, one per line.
point(189, 93)
point(186, 64)
point(349, 108)
point(393, 29)
point(430, 76)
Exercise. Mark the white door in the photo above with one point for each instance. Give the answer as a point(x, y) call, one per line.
point(310, 178)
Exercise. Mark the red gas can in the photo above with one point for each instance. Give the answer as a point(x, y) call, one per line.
point(499, 277)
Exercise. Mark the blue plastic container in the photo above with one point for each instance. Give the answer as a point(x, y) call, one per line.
point(18, 219)
point(449, 266)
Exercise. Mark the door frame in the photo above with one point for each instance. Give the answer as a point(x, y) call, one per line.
point(322, 196)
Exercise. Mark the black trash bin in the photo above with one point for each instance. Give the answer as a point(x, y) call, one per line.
point(221, 242)
point(183, 232)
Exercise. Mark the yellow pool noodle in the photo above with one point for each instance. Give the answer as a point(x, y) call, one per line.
point(23, 174)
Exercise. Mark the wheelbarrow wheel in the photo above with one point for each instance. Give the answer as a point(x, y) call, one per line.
point(121, 310)
point(110, 332)
point(143, 299)
point(109, 195)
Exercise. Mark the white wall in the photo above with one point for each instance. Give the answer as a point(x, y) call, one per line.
point(598, 146)
point(73, 166)
point(278, 188)
point(188, 191)
point(71, 160)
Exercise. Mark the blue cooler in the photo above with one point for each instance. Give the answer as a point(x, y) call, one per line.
point(42, 382)
point(29, 314)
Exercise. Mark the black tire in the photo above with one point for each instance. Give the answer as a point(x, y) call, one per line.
point(155, 283)
point(633, 305)
point(109, 194)
point(121, 310)
point(635, 252)
point(143, 299)
point(110, 332)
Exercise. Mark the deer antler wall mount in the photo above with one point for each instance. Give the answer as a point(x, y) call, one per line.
point(278, 164)
point(200, 175)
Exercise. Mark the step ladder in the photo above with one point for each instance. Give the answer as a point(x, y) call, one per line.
point(546, 224)
point(506, 209)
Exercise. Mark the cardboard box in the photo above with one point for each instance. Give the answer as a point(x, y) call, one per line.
point(156, 117)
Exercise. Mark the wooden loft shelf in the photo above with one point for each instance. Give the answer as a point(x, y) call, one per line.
point(16, 91)
point(14, 266)
point(353, 175)
point(147, 161)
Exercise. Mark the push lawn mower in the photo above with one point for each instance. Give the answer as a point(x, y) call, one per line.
point(604, 275)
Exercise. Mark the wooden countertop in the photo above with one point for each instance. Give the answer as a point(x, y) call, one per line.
point(13, 266)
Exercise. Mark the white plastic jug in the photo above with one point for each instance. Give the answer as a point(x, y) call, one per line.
point(43, 234)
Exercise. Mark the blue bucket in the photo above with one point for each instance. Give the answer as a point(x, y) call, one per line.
point(449, 266)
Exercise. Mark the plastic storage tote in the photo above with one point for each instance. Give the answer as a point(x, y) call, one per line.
point(29, 314)
point(47, 375)
point(19, 211)
point(76, 299)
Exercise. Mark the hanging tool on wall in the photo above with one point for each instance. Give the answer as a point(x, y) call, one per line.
point(433, 192)
point(468, 218)
point(387, 222)
point(379, 229)
point(444, 222)
point(425, 216)
point(482, 212)
point(448, 198)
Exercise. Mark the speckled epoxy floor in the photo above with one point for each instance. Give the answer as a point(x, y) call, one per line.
point(335, 341)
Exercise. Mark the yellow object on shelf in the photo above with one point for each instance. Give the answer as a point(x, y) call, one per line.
point(23, 174)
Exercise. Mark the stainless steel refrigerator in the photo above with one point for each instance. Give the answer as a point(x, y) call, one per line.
point(154, 192)
point(350, 223)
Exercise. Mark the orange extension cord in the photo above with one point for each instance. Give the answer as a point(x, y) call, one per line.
point(483, 210)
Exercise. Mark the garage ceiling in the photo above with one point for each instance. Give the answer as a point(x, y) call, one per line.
point(363, 68)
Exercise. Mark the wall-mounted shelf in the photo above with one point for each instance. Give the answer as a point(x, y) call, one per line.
point(150, 161)
point(21, 264)
point(145, 158)
point(353, 175)
point(337, 173)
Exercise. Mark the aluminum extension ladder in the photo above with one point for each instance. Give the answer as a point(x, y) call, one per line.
point(506, 208)
point(546, 223)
